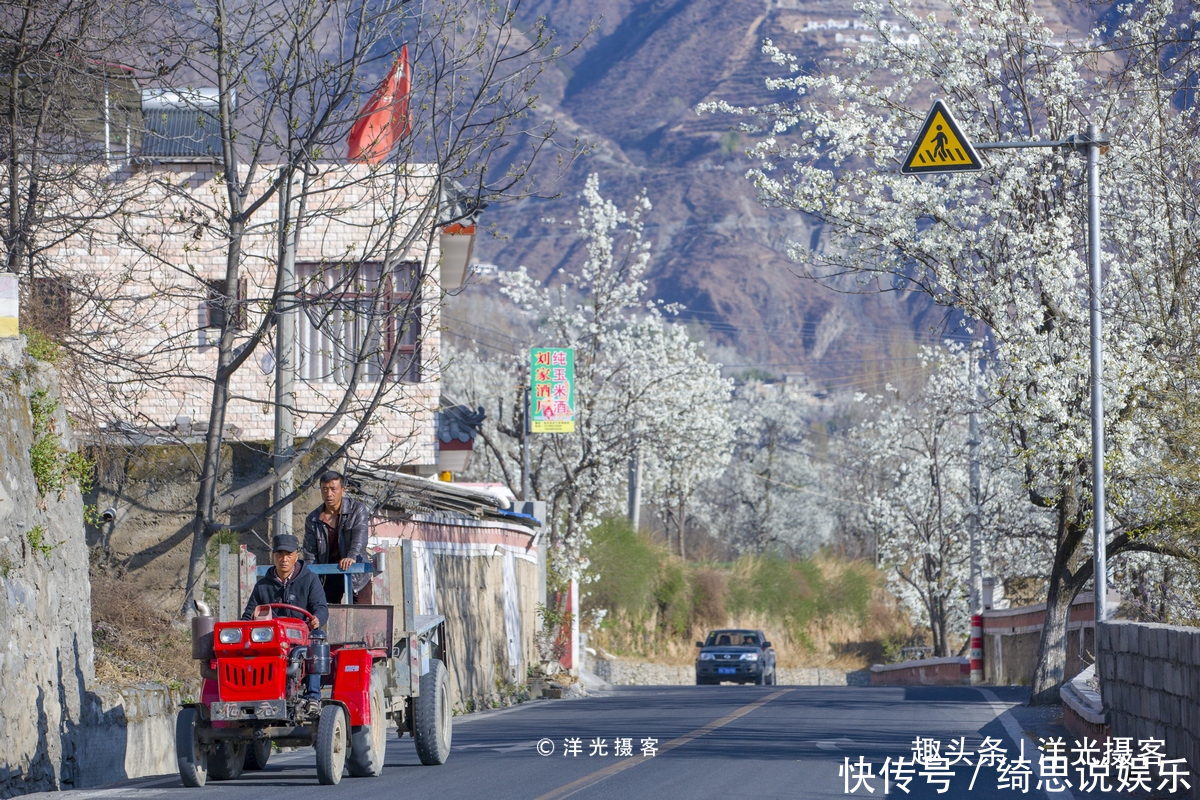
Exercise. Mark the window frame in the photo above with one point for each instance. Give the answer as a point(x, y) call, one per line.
point(401, 308)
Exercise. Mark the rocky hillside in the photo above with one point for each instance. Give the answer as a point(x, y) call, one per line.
point(631, 91)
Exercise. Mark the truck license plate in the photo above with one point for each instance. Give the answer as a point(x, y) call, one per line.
point(726, 670)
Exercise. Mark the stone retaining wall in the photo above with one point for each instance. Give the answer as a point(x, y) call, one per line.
point(1150, 685)
point(620, 672)
point(58, 730)
point(45, 594)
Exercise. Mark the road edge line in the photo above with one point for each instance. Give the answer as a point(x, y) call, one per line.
point(1017, 735)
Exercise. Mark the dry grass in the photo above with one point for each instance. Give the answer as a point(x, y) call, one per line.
point(829, 613)
point(135, 642)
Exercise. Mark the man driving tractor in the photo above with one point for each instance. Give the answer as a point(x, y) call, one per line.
point(289, 582)
point(336, 533)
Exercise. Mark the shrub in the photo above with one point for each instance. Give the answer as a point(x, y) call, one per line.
point(628, 568)
point(54, 467)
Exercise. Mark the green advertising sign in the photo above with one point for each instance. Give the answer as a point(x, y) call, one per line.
point(552, 395)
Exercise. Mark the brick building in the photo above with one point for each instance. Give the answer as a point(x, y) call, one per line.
point(363, 253)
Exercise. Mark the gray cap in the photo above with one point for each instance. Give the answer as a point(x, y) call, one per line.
point(286, 542)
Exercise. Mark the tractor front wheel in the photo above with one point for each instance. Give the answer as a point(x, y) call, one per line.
point(227, 760)
point(369, 742)
point(257, 754)
point(331, 745)
point(434, 715)
point(189, 752)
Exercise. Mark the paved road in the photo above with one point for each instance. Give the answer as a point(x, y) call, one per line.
point(718, 742)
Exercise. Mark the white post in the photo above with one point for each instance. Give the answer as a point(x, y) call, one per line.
point(635, 489)
point(285, 358)
point(107, 125)
point(975, 544)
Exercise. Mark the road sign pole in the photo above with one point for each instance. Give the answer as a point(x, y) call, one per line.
point(1100, 554)
point(930, 154)
point(526, 472)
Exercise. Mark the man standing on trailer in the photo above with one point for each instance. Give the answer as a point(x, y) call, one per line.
point(336, 533)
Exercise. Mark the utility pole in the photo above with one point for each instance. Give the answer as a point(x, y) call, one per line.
point(526, 430)
point(285, 357)
point(974, 527)
point(1099, 554)
point(635, 488)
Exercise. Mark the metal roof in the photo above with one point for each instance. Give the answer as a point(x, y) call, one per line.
point(181, 125)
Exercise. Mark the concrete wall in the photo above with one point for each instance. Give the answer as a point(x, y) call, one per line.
point(1150, 686)
point(128, 733)
point(45, 598)
point(925, 672)
point(1012, 637)
point(483, 577)
point(622, 672)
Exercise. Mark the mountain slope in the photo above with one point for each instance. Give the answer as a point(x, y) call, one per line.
point(631, 91)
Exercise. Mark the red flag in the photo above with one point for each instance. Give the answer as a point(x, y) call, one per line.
point(384, 120)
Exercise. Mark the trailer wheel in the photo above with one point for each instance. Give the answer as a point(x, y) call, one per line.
point(189, 752)
point(331, 745)
point(257, 754)
point(368, 743)
point(227, 760)
point(434, 715)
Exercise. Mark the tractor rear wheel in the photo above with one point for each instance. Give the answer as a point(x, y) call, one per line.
point(227, 759)
point(189, 752)
point(257, 754)
point(331, 745)
point(368, 742)
point(434, 715)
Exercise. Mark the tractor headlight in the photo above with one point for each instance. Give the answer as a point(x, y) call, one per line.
point(262, 634)
point(230, 636)
point(707, 656)
point(749, 656)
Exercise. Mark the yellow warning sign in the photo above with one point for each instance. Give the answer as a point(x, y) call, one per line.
point(941, 146)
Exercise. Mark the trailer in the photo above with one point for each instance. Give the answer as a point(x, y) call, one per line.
point(378, 662)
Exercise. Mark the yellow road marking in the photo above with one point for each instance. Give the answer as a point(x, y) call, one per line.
point(602, 774)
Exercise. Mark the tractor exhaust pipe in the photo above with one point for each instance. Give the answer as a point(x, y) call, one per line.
point(202, 633)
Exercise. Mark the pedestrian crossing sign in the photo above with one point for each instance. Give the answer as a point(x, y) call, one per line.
point(941, 146)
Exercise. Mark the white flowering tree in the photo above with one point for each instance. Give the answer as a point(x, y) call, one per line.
point(1006, 245)
point(641, 384)
point(772, 494)
point(917, 449)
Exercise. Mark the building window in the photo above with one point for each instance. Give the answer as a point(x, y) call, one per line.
point(219, 305)
point(49, 309)
point(360, 313)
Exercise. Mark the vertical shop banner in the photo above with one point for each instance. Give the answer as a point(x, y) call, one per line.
point(553, 394)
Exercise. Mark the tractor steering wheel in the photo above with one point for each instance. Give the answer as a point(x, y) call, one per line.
point(309, 615)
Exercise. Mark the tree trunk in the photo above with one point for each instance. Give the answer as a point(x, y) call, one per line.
point(1052, 651)
point(1064, 585)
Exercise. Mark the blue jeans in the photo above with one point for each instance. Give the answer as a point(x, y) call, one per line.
point(314, 687)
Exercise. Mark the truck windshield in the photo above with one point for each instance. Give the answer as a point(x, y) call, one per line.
point(732, 639)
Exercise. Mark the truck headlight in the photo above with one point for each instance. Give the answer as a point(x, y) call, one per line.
point(749, 656)
point(230, 636)
point(707, 656)
point(262, 634)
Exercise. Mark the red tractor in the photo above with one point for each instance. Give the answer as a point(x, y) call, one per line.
point(253, 692)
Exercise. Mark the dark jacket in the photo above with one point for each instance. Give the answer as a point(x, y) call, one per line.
point(303, 590)
point(352, 537)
